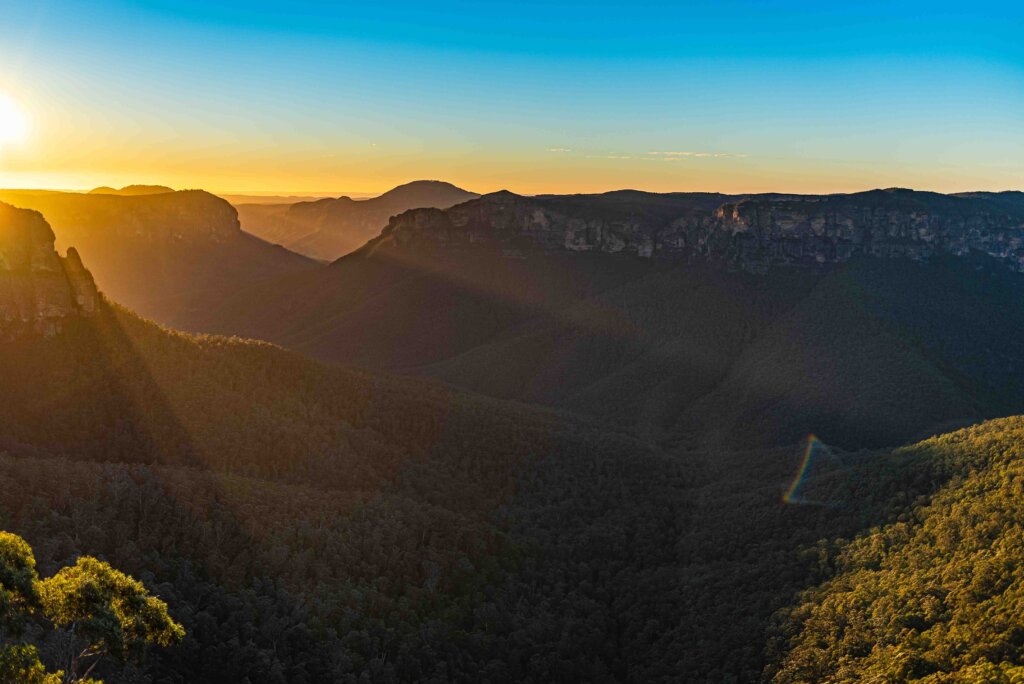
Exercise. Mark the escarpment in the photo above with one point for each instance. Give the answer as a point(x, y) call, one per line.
point(887, 224)
point(188, 216)
point(752, 234)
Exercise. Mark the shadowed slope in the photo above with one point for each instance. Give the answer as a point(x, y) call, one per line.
point(550, 300)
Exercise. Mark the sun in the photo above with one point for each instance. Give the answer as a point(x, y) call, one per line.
point(13, 123)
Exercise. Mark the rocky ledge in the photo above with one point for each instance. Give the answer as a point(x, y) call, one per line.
point(39, 289)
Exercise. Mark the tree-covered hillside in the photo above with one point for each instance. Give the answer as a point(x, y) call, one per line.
point(607, 563)
point(307, 523)
point(935, 596)
point(113, 387)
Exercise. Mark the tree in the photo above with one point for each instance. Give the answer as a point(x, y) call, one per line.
point(19, 596)
point(99, 611)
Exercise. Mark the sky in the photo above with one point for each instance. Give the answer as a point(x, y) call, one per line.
point(331, 97)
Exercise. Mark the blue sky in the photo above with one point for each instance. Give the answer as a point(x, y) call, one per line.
point(532, 96)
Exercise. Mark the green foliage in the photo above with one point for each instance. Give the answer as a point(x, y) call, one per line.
point(20, 663)
point(19, 594)
point(95, 605)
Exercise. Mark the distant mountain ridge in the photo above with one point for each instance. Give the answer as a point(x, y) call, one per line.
point(131, 190)
point(329, 228)
point(239, 198)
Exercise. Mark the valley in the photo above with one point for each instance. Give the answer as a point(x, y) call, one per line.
point(399, 526)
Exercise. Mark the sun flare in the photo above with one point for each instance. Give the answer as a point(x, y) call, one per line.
point(13, 123)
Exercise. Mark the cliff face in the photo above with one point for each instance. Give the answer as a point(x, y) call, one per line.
point(886, 224)
point(39, 289)
point(188, 216)
point(752, 234)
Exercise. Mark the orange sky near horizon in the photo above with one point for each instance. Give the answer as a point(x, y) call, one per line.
point(67, 162)
point(52, 156)
point(327, 98)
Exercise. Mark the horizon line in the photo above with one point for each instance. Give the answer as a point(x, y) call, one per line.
point(363, 194)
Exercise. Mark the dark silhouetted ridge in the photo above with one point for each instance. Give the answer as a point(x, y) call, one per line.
point(130, 190)
point(329, 228)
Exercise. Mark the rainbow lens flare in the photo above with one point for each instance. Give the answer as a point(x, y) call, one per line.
point(818, 457)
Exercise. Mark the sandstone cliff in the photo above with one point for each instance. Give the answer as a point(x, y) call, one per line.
point(39, 290)
point(751, 234)
point(184, 217)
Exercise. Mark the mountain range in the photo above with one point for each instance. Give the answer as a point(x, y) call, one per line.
point(131, 190)
point(329, 228)
point(696, 319)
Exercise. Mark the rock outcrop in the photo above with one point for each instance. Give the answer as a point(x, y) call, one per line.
point(39, 290)
point(751, 234)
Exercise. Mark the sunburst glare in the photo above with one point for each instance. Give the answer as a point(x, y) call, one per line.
point(13, 122)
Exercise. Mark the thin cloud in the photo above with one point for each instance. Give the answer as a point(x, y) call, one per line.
point(658, 155)
point(687, 155)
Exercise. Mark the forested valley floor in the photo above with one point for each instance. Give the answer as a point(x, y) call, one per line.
point(430, 535)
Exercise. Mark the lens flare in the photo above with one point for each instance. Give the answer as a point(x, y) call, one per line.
point(829, 470)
